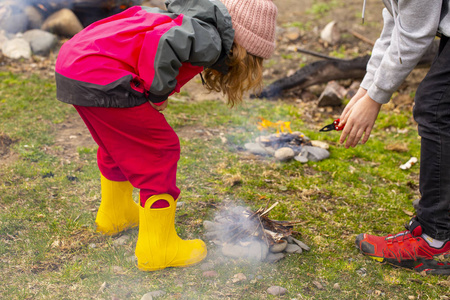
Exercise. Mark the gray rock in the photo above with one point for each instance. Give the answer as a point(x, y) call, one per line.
point(331, 33)
point(257, 251)
point(293, 248)
point(254, 250)
point(332, 95)
point(12, 17)
point(41, 42)
point(121, 240)
point(274, 257)
point(16, 48)
point(315, 153)
point(63, 22)
point(211, 273)
point(147, 297)
point(233, 250)
point(277, 290)
point(3, 38)
point(284, 154)
point(301, 244)
point(34, 16)
point(212, 234)
point(301, 158)
point(209, 226)
point(259, 149)
point(320, 144)
point(156, 294)
point(279, 247)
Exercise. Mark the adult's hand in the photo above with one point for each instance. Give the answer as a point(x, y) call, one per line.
point(161, 107)
point(359, 121)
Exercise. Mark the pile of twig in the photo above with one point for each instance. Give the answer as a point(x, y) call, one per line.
point(246, 233)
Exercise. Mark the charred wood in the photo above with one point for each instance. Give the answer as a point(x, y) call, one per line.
point(329, 69)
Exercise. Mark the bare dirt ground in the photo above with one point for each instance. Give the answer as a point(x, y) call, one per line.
point(299, 25)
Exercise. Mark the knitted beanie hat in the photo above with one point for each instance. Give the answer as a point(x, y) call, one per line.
point(254, 22)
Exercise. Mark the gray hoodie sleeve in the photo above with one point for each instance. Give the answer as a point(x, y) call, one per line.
point(410, 36)
point(378, 50)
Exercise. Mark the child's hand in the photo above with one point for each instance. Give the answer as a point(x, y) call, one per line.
point(161, 107)
point(359, 94)
point(359, 121)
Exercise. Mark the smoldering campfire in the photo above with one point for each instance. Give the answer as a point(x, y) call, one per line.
point(242, 233)
point(286, 144)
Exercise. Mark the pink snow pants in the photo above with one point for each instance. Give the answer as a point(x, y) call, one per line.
point(136, 144)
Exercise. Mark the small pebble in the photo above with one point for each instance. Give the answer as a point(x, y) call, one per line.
point(210, 274)
point(210, 226)
point(277, 290)
point(117, 269)
point(147, 297)
point(155, 294)
point(320, 144)
point(131, 258)
point(318, 285)
point(206, 266)
point(121, 240)
point(362, 272)
point(239, 277)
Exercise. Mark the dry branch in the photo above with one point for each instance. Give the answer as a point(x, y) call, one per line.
point(323, 71)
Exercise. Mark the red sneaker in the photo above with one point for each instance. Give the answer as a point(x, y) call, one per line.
point(407, 249)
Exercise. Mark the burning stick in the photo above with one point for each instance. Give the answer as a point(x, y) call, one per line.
point(279, 126)
point(270, 208)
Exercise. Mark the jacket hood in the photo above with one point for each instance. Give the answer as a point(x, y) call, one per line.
point(213, 12)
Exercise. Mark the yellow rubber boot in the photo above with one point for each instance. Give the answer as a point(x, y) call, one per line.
point(158, 245)
point(117, 211)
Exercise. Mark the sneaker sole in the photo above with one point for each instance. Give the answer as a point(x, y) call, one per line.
point(429, 266)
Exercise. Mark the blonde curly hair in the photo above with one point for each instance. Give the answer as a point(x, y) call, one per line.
point(245, 74)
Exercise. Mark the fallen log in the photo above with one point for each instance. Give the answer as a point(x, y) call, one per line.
point(329, 69)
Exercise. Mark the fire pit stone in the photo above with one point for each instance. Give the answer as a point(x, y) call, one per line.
point(279, 247)
point(286, 146)
point(284, 154)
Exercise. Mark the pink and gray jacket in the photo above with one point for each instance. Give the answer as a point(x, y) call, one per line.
point(143, 54)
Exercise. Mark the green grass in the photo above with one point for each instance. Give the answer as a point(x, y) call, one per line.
point(322, 8)
point(49, 248)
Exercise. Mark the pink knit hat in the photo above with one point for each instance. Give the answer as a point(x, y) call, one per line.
point(254, 22)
